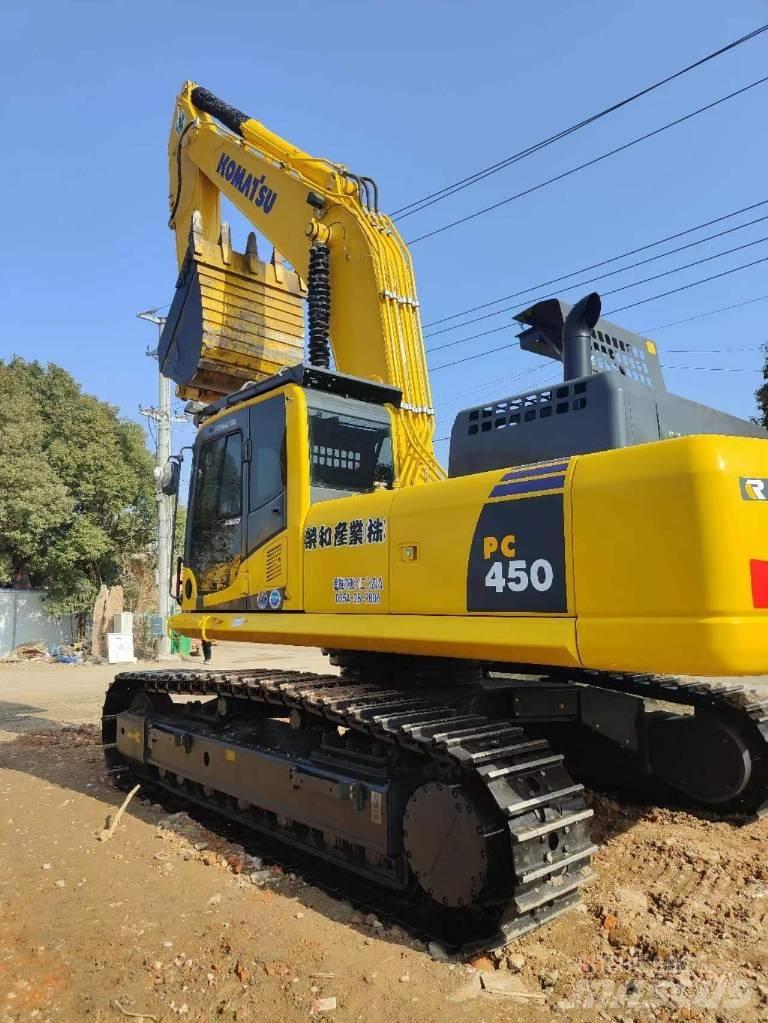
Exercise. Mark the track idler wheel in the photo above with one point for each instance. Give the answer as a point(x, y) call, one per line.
point(449, 845)
point(707, 758)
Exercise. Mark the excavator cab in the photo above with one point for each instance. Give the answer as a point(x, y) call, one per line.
point(261, 458)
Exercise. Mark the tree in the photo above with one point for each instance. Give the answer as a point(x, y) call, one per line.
point(76, 486)
point(761, 394)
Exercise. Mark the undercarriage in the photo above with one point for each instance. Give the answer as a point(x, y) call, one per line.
point(450, 802)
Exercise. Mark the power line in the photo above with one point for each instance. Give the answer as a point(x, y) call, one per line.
point(716, 369)
point(710, 351)
point(693, 284)
point(614, 291)
point(477, 355)
point(701, 316)
point(606, 262)
point(483, 333)
point(685, 266)
point(452, 406)
point(429, 200)
point(540, 369)
point(462, 394)
point(462, 391)
point(631, 305)
point(588, 163)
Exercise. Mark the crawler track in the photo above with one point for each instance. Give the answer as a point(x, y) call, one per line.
point(488, 834)
point(739, 712)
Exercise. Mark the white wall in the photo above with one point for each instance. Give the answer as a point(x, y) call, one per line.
point(23, 620)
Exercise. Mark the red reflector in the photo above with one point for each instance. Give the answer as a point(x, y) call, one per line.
point(759, 572)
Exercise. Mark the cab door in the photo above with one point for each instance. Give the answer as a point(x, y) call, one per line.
point(266, 546)
point(267, 472)
point(215, 527)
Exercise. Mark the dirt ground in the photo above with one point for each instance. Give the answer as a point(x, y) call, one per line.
point(170, 920)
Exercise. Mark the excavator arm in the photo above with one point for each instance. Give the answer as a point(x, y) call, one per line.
point(325, 221)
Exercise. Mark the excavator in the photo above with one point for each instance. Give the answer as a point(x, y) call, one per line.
point(564, 606)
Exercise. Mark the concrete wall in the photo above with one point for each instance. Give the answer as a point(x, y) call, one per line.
point(23, 620)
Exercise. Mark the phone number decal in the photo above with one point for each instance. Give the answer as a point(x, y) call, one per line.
point(358, 589)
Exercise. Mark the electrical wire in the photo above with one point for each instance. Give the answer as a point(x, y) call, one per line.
point(443, 193)
point(685, 266)
point(630, 305)
point(483, 333)
point(462, 392)
point(588, 163)
point(614, 291)
point(701, 316)
point(452, 406)
point(692, 284)
point(710, 351)
point(605, 262)
point(716, 369)
point(477, 355)
point(692, 369)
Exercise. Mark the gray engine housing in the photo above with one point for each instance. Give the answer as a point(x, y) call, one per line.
point(622, 404)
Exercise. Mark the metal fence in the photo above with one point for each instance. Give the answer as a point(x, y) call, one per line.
point(23, 619)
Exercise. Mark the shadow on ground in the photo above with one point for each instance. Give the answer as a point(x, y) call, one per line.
point(24, 718)
point(71, 758)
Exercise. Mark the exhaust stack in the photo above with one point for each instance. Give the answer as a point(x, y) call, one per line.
point(577, 336)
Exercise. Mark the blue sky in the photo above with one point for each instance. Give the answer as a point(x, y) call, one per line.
point(416, 95)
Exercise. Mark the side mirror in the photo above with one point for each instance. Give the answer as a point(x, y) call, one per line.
point(170, 476)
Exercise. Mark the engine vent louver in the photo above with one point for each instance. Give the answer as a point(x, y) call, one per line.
point(274, 567)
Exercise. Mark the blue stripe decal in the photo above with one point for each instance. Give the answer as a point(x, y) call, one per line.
point(528, 486)
point(535, 470)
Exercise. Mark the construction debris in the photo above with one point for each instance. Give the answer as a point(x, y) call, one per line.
point(113, 821)
point(33, 651)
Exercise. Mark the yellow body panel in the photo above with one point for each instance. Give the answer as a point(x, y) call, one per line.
point(431, 533)
point(348, 578)
point(658, 541)
point(663, 540)
point(549, 641)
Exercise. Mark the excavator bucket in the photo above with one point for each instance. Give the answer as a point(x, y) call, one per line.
point(233, 319)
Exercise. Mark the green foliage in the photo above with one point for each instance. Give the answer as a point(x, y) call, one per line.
point(76, 486)
point(761, 394)
point(179, 533)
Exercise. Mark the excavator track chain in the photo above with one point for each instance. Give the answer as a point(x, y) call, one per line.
point(489, 833)
point(719, 755)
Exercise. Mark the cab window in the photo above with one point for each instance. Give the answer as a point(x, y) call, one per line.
point(348, 453)
point(268, 455)
point(215, 522)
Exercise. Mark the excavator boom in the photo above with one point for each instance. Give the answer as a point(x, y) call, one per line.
point(319, 216)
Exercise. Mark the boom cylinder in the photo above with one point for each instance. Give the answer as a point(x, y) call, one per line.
point(319, 306)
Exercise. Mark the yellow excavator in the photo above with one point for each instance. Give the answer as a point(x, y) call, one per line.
point(505, 631)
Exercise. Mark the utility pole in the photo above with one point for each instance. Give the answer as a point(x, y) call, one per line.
point(162, 417)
